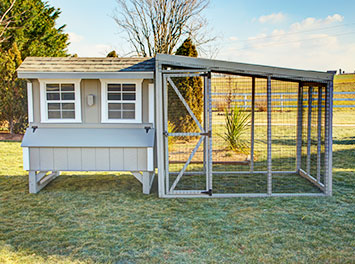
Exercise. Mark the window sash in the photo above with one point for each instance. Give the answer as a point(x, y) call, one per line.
point(68, 114)
point(65, 105)
point(121, 113)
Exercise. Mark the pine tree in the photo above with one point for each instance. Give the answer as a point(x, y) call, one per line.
point(191, 88)
point(33, 32)
point(13, 103)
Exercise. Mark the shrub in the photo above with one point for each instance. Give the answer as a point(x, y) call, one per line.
point(236, 124)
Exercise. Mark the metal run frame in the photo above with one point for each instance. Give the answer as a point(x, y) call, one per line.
point(324, 88)
point(204, 134)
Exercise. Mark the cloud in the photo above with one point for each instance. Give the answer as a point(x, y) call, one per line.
point(79, 46)
point(311, 22)
point(272, 18)
point(305, 44)
point(233, 38)
point(75, 38)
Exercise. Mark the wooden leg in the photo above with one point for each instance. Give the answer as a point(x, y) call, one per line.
point(147, 181)
point(39, 180)
point(32, 180)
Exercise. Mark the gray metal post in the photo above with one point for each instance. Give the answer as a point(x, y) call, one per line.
point(299, 126)
point(205, 127)
point(269, 155)
point(309, 128)
point(159, 127)
point(209, 92)
point(252, 125)
point(166, 138)
point(319, 133)
point(328, 138)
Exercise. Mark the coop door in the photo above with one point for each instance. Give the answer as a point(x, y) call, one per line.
point(187, 130)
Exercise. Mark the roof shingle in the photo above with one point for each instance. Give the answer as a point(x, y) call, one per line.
point(72, 64)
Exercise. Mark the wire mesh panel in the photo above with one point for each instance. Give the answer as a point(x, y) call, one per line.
point(231, 102)
point(239, 141)
point(305, 125)
point(185, 124)
point(322, 116)
point(234, 113)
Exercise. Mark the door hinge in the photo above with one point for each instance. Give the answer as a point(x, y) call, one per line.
point(209, 192)
point(207, 134)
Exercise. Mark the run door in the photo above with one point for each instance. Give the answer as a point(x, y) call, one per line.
point(187, 133)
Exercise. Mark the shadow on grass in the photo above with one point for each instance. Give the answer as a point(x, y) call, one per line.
point(345, 141)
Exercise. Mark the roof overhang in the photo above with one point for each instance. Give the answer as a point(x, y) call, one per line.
point(89, 137)
point(86, 75)
point(243, 68)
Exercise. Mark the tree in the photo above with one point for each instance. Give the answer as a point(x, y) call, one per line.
point(158, 26)
point(33, 29)
point(5, 21)
point(112, 54)
point(32, 33)
point(13, 96)
point(191, 89)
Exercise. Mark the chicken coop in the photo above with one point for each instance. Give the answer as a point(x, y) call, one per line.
point(206, 128)
point(229, 129)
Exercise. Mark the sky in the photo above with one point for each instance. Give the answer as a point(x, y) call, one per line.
point(304, 34)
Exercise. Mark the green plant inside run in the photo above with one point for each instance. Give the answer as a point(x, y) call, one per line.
point(237, 122)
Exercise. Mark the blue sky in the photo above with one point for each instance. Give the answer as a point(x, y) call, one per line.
point(318, 34)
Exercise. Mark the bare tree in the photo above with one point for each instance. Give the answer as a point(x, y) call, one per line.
point(5, 22)
point(158, 26)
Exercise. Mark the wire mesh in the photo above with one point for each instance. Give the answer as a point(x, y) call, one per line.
point(232, 145)
point(187, 147)
point(239, 135)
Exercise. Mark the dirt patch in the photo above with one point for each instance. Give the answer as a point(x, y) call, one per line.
point(10, 137)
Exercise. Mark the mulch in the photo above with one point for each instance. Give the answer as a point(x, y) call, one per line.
point(10, 137)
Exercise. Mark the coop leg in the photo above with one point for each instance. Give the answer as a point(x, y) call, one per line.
point(39, 180)
point(148, 178)
point(32, 179)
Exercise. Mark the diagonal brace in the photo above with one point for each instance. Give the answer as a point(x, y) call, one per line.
point(184, 103)
point(186, 164)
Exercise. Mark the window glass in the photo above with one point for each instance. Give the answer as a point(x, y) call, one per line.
point(52, 87)
point(118, 96)
point(60, 101)
point(68, 96)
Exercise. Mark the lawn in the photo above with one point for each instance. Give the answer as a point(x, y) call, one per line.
point(104, 218)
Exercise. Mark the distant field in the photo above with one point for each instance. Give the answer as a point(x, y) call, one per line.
point(345, 78)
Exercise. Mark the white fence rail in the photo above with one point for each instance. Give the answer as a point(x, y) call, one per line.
point(285, 97)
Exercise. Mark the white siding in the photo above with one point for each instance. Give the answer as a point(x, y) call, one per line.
point(90, 159)
point(74, 159)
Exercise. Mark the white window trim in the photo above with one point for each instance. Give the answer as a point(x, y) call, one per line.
point(104, 101)
point(44, 106)
point(151, 103)
point(30, 102)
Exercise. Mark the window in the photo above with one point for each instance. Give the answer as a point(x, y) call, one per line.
point(121, 101)
point(60, 101)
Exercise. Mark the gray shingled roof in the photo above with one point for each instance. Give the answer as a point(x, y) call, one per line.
point(71, 64)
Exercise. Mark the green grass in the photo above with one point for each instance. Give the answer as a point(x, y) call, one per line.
point(104, 218)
